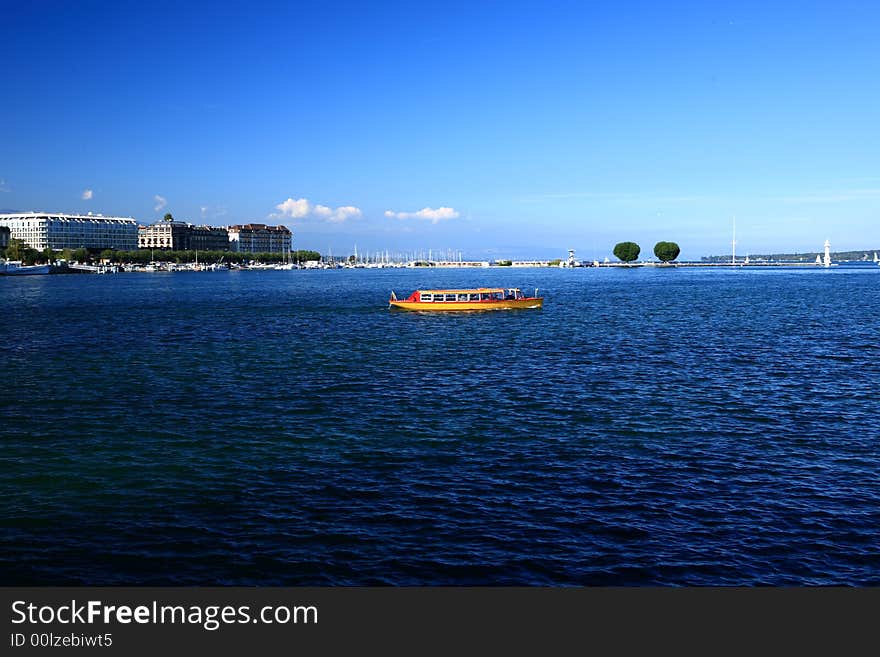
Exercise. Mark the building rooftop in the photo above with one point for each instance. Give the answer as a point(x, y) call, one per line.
point(258, 227)
point(63, 216)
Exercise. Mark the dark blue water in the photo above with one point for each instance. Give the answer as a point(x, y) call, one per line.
point(685, 427)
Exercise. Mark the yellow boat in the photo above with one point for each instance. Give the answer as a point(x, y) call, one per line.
point(482, 298)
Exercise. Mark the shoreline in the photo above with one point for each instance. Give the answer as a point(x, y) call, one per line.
point(174, 267)
point(159, 269)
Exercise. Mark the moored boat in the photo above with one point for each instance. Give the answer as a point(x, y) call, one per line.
point(483, 298)
point(15, 268)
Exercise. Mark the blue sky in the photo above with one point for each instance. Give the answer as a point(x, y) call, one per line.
point(497, 128)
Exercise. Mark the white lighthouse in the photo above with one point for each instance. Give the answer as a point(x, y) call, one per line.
point(827, 261)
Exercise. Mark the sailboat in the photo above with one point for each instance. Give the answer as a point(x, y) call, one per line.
point(287, 264)
point(876, 259)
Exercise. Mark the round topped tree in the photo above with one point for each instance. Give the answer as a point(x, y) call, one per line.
point(666, 251)
point(627, 251)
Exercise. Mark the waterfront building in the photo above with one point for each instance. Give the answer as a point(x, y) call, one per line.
point(530, 263)
point(71, 231)
point(172, 235)
point(260, 238)
point(209, 238)
point(182, 236)
point(459, 263)
point(4, 237)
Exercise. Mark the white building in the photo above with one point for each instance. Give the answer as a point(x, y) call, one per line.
point(259, 238)
point(72, 231)
point(182, 236)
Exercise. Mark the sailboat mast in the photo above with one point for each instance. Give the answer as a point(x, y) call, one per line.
point(733, 244)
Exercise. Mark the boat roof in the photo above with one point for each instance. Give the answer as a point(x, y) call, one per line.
point(475, 290)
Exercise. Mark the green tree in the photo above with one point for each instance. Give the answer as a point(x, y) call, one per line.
point(108, 255)
point(15, 249)
point(19, 250)
point(666, 251)
point(627, 251)
point(81, 255)
point(304, 255)
point(168, 217)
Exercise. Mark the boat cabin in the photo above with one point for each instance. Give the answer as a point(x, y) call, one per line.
point(481, 294)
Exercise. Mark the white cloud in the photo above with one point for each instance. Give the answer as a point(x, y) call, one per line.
point(344, 213)
point(322, 211)
point(3, 187)
point(300, 208)
point(203, 209)
point(161, 202)
point(429, 214)
point(294, 209)
point(87, 195)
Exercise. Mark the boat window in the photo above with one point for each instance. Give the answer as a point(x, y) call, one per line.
point(462, 297)
point(427, 297)
point(475, 297)
point(450, 297)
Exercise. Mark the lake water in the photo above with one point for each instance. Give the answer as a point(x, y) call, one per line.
point(672, 427)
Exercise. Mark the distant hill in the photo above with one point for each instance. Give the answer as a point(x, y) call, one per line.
point(797, 257)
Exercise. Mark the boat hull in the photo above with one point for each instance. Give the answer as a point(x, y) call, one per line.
point(33, 270)
point(451, 306)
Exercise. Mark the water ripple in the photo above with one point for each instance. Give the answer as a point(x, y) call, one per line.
point(666, 427)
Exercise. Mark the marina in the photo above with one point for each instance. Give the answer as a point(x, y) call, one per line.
point(283, 262)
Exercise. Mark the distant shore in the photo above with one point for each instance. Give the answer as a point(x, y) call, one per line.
point(77, 268)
